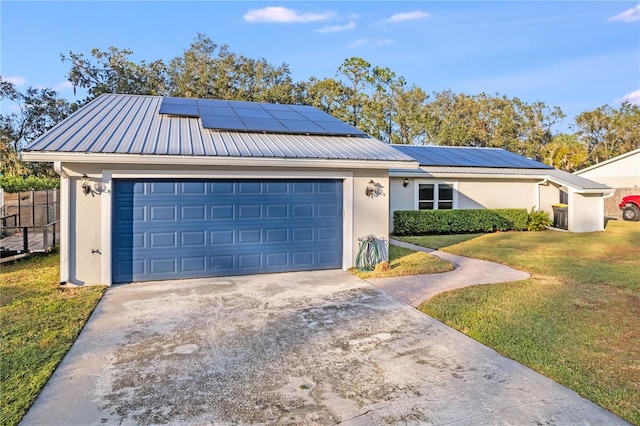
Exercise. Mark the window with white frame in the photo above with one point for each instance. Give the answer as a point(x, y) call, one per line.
point(435, 196)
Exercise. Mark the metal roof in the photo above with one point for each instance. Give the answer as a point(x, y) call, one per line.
point(468, 157)
point(132, 124)
point(559, 176)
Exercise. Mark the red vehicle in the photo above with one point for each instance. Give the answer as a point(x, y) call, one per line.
point(630, 207)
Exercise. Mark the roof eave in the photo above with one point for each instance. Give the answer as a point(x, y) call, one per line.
point(103, 158)
point(417, 173)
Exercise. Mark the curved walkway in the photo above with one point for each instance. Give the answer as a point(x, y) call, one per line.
point(415, 289)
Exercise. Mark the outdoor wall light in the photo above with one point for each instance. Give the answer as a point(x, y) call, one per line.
point(371, 189)
point(405, 183)
point(86, 188)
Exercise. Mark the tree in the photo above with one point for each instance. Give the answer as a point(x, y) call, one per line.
point(328, 94)
point(608, 132)
point(357, 72)
point(206, 70)
point(37, 110)
point(565, 152)
point(490, 121)
point(410, 116)
point(114, 72)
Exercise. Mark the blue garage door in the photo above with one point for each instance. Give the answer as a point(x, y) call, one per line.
point(164, 229)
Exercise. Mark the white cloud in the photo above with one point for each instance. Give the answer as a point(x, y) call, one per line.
point(406, 16)
point(358, 42)
point(284, 15)
point(65, 85)
point(385, 42)
point(337, 28)
point(371, 42)
point(16, 80)
point(629, 15)
point(632, 98)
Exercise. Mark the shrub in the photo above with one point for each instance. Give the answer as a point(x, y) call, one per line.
point(421, 222)
point(538, 220)
point(11, 183)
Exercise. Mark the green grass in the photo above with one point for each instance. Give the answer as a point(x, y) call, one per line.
point(437, 241)
point(577, 320)
point(407, 262)
point(39, 321)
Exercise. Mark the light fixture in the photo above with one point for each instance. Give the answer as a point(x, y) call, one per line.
point(371, 189)
point(86, 188)
point(406, 182)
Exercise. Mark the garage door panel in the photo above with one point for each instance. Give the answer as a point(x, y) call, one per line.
point(193, 213)
point(165, 265)
point(222, 212)
point(191, 188)
point(194, 264)
point(181, 229)
point(276, 260)
point(193, 239)
point(162, 240)
point(162, 188)
point(250, 212)
point(249, 236)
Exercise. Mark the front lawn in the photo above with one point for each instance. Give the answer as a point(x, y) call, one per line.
point(577, 320)
point(403, 261)
point(39, 321)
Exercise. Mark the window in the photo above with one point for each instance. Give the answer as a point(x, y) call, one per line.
point(435, 196)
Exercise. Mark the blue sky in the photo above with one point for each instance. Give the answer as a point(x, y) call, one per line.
point(576, 55)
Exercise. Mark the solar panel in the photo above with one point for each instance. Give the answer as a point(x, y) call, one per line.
point(252, 113)
point(287, 115)
point(180, 109)
point(469, 157)
point(222, 123)
point(258, 117)
point(302, 126)
point(264, 125)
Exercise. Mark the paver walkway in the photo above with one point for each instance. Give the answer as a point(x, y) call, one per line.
point(415, 289)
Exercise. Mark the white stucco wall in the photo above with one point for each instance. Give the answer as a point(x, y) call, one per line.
point(496, 194)
point(89, 223)
point(400, 197)
point(621, 173)
point(586, 212)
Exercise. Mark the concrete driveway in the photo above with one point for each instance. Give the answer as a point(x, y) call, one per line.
point(298, 348)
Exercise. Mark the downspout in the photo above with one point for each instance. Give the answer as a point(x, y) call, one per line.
point(64, 220)
point(538, 185)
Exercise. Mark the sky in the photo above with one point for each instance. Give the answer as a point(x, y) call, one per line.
point(575, 55)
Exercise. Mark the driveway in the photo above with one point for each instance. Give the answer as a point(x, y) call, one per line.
point(298, 348)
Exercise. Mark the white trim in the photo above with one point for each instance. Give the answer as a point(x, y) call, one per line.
point(416, 192)
point(176, 160)
point(105, 231)
point(347, 222)
point(65, 248)
point(64, 221)
point(108, 177)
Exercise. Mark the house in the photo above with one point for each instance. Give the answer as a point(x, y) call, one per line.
point(621, 173)
point(162, 188)
point(477, 178)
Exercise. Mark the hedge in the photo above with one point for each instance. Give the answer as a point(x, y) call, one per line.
point(10, 183)
point(421, 222)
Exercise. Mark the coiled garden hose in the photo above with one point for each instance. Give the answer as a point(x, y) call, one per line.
point(368, 254)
